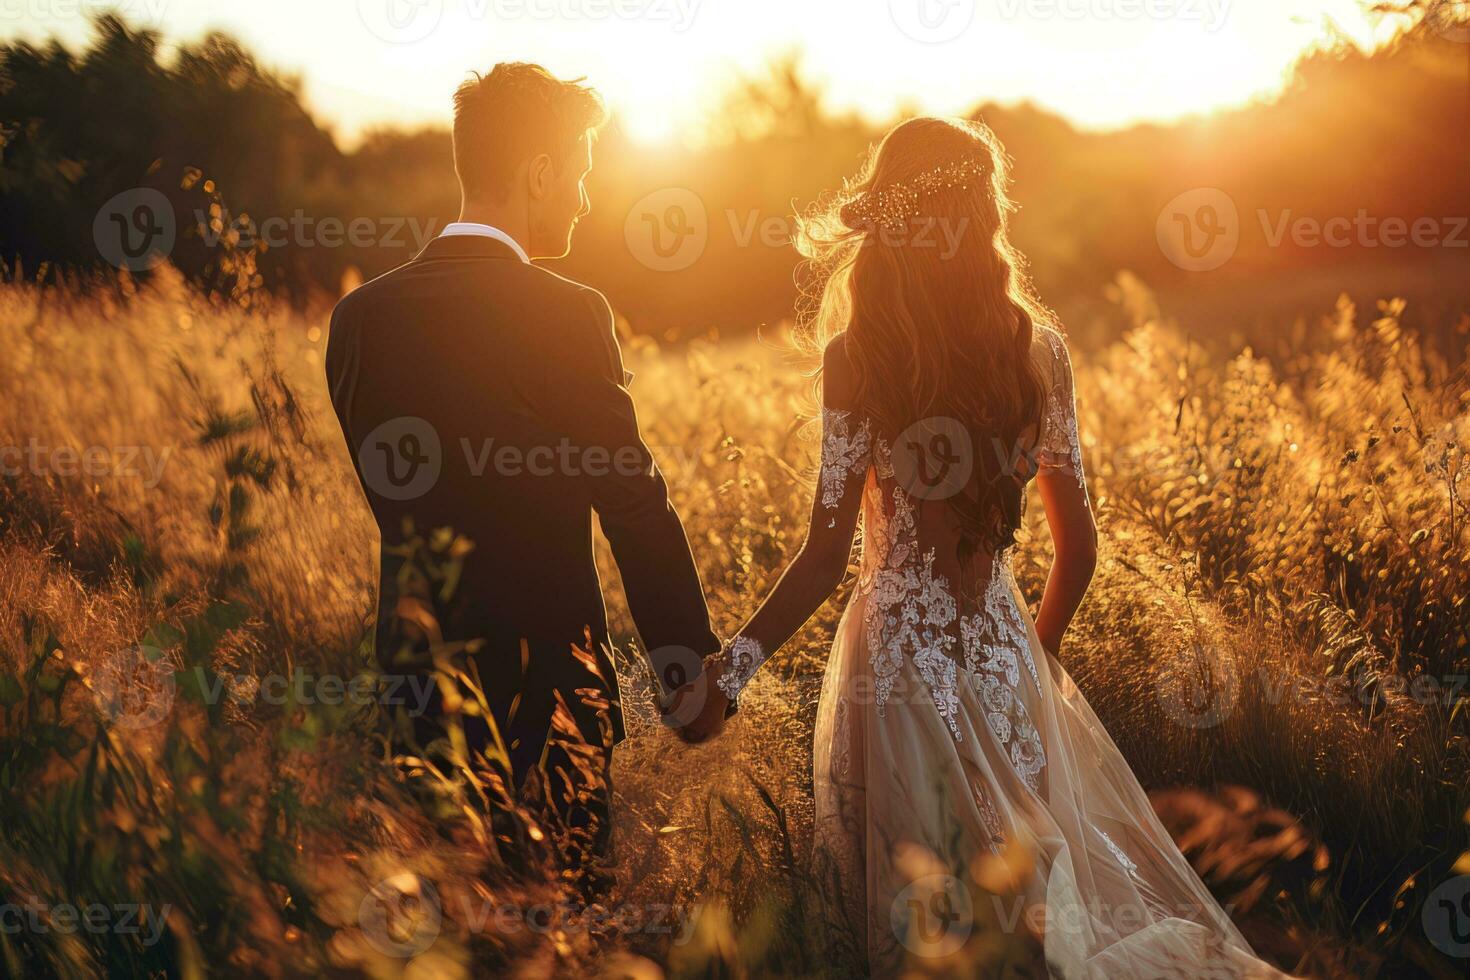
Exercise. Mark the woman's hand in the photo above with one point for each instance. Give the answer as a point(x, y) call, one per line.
point(697, 711)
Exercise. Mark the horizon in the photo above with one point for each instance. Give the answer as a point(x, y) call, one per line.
point(1184, 58)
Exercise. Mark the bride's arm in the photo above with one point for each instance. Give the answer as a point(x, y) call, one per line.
point(819, 565)
point(1068, 510)
point(1074, 541)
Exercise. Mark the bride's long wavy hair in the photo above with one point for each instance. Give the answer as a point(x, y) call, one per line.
point(938, 313)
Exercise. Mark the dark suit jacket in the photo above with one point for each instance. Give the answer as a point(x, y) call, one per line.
point(515, 373)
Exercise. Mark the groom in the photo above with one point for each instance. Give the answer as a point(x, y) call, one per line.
point(482, 393)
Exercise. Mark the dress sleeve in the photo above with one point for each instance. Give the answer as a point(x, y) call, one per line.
point(1059, 450)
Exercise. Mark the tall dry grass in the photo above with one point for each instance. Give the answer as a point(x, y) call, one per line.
point(1273, 639)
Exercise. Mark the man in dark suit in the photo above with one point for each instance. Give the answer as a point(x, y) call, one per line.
point(479, 392)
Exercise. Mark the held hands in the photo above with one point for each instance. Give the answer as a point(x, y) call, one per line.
point(697, 711)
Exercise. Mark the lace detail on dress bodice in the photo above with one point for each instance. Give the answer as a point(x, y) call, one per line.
point(913, 612)
point(957, 621)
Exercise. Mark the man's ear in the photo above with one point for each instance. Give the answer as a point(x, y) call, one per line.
point(539, 175)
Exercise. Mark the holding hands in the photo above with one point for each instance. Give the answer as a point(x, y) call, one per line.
point(698, 710)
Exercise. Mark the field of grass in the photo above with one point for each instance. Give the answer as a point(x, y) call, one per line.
point(1278, 639)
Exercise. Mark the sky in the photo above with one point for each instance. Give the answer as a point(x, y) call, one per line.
point(1101, 63)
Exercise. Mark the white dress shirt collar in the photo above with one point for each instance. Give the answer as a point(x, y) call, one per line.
point(484, 231)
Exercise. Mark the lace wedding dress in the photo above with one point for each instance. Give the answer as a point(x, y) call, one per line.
point(944, 723)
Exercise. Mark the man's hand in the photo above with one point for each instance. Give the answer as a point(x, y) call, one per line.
point(696, 712)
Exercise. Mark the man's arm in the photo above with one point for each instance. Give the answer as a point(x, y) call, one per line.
point(585, 397)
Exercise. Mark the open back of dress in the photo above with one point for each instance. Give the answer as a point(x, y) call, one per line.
point(944, 723)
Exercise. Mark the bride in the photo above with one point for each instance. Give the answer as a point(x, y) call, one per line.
point(946, 718)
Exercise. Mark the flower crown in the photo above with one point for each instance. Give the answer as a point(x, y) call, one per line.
point(893, 205)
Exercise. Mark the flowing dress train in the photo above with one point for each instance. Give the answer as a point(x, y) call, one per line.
point(944, 723)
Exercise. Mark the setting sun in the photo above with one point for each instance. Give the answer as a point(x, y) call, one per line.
point(663, 63)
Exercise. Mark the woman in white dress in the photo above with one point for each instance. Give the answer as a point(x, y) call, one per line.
point(946, 719)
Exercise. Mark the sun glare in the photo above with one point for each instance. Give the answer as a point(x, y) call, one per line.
point(1099, 63)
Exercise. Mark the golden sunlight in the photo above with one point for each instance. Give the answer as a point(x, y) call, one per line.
point(663, 63)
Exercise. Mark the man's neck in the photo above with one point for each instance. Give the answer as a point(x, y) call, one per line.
point(504, 217)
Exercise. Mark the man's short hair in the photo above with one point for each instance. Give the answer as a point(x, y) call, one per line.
point(512, 114)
